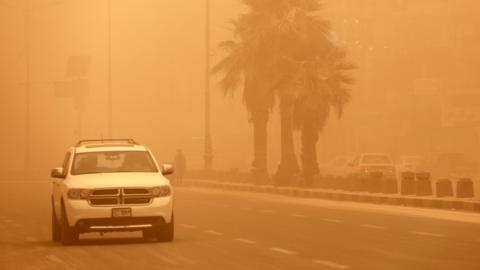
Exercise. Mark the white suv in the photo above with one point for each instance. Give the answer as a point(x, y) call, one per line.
point(111, 185)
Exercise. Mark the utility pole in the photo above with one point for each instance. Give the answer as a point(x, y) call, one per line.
point(27, 33)
point(208, 155)
point(27, 11)
point(109, 107)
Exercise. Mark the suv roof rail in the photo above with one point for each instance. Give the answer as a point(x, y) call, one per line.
point(84, 142)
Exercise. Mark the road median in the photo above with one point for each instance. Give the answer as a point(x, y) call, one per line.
point(470, 205)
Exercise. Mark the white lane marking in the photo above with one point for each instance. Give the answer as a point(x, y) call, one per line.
point(166, 259)
point(188, 226)
point(31, 239)
point(427, 234)
point(267, 211)
point(371, 226)
point(332, 220)
point(54, 259)
point(330, 264)
point(298, 216)
point(40, 248)
point(283, 251)
point(213, 232)
point(246, 241)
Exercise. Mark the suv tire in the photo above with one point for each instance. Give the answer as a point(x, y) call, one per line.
point(68, 234)
point(56, 233)
point(148, 234)
point(166, 233)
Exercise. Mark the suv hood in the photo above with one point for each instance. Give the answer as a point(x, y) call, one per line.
point(114, 180)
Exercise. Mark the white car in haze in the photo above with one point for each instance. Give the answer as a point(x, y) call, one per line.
point(111, 185)
point(337, 167)
point(411, 164)
point(367, 163)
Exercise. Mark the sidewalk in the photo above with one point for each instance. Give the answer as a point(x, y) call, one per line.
point(471, 205)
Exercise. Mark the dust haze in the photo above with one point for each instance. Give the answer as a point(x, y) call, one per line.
point(296, 134)
point(416, 89)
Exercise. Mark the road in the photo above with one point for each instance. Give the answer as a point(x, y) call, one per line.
point(228, 230)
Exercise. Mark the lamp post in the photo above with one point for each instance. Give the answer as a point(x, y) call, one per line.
point(27, 84)
point(109, 98)
point(208, 154)
point(28, 9)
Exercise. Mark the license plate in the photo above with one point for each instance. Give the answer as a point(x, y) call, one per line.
point(121, 212)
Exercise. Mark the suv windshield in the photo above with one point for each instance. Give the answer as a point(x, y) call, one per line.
point(113, 161)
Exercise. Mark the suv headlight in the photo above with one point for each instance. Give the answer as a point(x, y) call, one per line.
point(161, 191)
point(78, 193)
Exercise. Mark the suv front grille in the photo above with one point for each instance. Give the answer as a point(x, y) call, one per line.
point(116, 196)
point(105, 192)
point(103, 201)
point(136, 191)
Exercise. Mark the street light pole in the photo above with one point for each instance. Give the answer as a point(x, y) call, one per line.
point(110, 70)
point(208, 155)
point(27, 10)
point(27, 84)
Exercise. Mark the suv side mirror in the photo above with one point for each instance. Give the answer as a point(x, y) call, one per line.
point(57, 173)
point(167, 169)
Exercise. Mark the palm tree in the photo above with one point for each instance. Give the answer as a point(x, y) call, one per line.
point(323, 85)
point(303, 35)
point(269, 40)
point(246, 64)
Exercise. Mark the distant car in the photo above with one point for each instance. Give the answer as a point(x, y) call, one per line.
point(453, 165)
point(411, 164)
point(367, 163)
point(337, 167)
point(111, 185)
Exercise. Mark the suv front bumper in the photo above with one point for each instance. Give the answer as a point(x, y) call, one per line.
point(159, 210)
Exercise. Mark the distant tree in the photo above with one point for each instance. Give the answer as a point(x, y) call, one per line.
point(268, 56)
point(247, 64)
point(323, 84)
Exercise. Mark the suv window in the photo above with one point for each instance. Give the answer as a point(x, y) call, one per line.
point(113, 161)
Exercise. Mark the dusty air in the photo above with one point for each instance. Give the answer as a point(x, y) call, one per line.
point(239, 134)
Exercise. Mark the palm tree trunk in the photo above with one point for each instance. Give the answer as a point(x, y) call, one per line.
point(309, 153)
point(288, 162)
point(259, 164)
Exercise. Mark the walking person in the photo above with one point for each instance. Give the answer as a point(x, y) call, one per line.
point(180, 164)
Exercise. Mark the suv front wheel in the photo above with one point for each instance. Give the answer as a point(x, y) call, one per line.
point(164, 233)
point(56, 233)
point(68, 235)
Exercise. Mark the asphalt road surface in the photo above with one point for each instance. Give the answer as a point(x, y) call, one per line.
point(227, 230)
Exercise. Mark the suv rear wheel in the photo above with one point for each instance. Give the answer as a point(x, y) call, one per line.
point(68, 234)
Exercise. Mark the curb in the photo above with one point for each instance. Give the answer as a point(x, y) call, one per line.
point(387, 199)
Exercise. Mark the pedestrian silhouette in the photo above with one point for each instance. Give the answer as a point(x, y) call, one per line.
point(180, 164)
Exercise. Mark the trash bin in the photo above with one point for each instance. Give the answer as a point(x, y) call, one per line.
point(389, 185)
point(423, 184)
point(407, 185)
point(374, 182)
point(465, 188)
point(444, 188)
